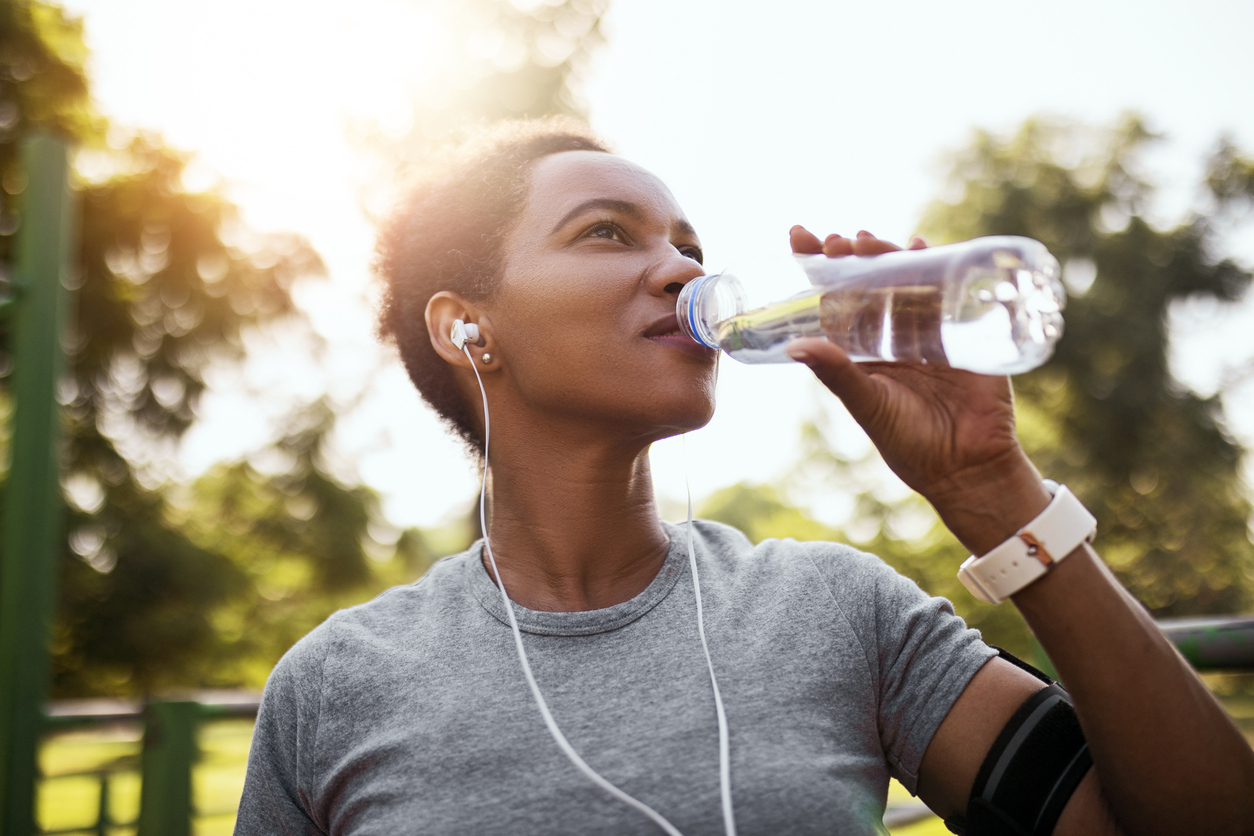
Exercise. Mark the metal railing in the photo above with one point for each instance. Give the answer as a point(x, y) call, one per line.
point(1213, 644)
point(169, 750)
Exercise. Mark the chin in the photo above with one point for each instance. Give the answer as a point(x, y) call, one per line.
point(660, 406)
point(692, 413)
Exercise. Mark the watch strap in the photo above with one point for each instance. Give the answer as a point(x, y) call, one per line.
point(1055, 533)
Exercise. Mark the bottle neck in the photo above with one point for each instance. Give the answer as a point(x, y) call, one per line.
point(706, 301)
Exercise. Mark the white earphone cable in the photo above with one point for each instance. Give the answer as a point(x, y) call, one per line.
point(724, 745)
point(556, 732)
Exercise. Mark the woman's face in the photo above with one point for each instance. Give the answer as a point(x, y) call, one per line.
point(584, 314)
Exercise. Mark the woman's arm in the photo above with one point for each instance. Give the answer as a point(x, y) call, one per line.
point(1167, 758)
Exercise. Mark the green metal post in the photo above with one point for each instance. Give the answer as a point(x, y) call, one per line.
point(165, 799)
point(102, 807)
point(32, 513)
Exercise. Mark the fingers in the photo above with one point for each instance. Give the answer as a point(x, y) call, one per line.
point(852, 384)
point(868, 244)
point(804, 241)
point(865, 244)
point(834, 246)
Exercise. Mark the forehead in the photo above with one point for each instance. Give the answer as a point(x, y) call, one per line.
point(560, 182)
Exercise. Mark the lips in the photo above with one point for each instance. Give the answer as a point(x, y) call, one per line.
point(665, 331)
point(664, 327)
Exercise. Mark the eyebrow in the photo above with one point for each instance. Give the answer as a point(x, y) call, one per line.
point(625, 207)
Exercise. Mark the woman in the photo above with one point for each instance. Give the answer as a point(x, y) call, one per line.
point(411, 714)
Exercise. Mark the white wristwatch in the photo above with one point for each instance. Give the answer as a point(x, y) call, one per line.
point(1055, 533)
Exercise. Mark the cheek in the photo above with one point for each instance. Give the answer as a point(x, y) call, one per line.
point(558, 353)
point(562, 333)
point(560, 311)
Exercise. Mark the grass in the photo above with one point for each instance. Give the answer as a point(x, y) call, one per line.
point(931, 826)
point(69, 799)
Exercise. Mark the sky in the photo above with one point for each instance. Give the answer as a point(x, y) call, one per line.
point(758, 116)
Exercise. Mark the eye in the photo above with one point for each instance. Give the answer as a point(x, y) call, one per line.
point(694, 253)
point(607, 230)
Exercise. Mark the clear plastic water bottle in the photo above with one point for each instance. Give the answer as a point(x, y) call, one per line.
point(990, 305)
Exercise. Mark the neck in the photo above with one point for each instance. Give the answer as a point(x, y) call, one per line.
point(574, 527)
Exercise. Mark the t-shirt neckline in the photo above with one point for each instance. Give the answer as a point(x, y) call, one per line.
point(588, 622)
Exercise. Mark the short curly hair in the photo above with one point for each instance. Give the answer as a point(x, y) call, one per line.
point(446, 234)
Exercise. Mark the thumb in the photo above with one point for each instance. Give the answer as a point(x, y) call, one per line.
point(846, 379)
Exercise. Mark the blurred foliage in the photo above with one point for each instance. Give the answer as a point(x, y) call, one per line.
point(1151, 459)
point(167, 586)
point(517, 59)
point(521, 59)
point(42, 86)
point(166, 282)
point(1230, 178)
point(307, 544)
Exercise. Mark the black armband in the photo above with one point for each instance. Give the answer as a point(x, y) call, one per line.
point(1034, 766)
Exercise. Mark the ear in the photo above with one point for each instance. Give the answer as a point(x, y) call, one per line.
point(443, 310)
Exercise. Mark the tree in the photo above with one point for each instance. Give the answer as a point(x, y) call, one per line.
point(518, 60)
point(1151, 459)
point(162, 586)
point(536, 52)
point(307, 544)
point(163, 290)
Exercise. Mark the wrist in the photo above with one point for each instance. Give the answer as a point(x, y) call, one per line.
point(984, 506)
point(1060, 530)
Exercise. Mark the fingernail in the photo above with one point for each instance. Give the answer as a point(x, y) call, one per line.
point(862, 233)
point(800, 355)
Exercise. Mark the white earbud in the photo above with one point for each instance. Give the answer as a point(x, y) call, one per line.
point(465, 332)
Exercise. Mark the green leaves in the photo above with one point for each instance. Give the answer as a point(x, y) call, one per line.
point(1230, 177)
point(165, 290)
point(166, 282)
point(1152, 460)
point(518, 59)
point(173, 586)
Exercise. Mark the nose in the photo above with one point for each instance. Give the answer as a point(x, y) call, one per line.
point(669, 277)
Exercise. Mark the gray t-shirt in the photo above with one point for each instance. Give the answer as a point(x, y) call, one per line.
point(410, 714)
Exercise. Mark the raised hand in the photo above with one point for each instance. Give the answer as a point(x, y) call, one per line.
point(949, 434)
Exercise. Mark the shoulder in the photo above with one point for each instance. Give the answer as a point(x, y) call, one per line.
point(837, 565)
point(871, 598)
point(394, 617)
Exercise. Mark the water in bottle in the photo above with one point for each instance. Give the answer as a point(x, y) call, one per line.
point(991, 305)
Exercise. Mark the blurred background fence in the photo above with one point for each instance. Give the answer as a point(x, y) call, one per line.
point(169, 767)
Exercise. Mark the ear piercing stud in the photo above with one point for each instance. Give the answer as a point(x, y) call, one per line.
point(487, 358)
